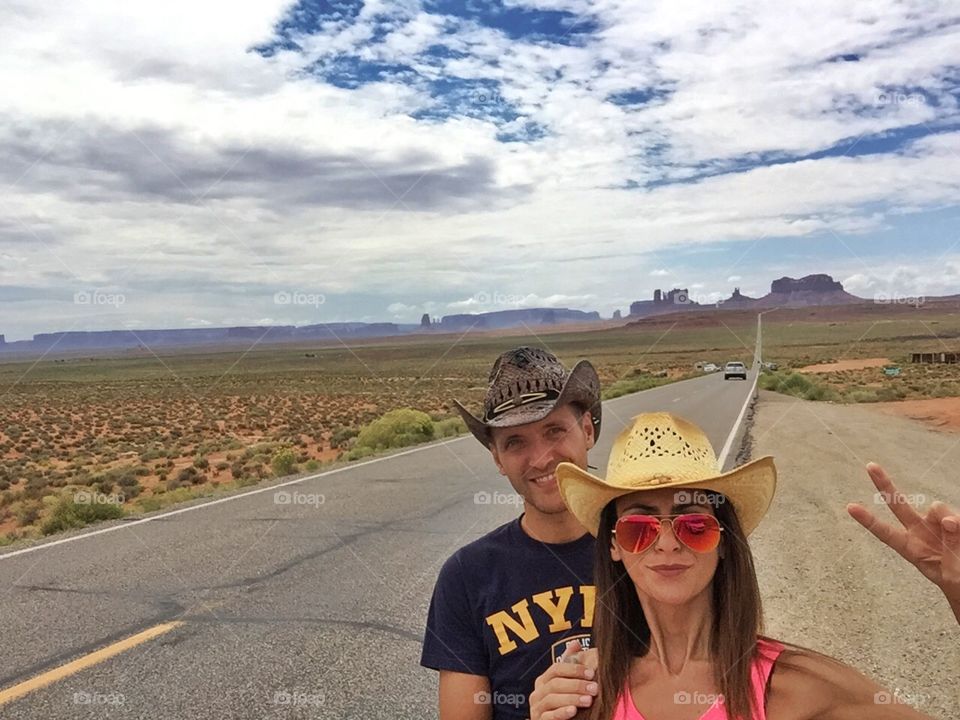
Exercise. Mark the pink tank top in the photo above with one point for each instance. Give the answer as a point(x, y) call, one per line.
point(767, 653)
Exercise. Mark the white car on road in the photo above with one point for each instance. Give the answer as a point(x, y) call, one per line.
point(734, 369)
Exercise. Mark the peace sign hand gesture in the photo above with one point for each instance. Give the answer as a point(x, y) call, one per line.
point(931, 542)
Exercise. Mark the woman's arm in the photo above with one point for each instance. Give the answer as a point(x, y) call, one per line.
point(809, 686)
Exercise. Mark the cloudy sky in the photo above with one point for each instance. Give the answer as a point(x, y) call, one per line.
point(182, 164)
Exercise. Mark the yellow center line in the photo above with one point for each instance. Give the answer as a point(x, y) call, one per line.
point(71, 668)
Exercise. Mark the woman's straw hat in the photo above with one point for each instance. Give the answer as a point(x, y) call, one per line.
point(661, 450)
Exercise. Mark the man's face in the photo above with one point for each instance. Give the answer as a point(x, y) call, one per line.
point(529, 454)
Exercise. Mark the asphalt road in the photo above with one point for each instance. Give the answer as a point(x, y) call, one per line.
point(310, 604)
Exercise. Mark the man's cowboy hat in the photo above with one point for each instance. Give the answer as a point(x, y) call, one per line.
point(660, 450)
point(525, 385)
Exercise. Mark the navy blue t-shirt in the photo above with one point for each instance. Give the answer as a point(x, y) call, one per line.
point(504, 607)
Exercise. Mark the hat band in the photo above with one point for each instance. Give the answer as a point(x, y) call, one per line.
point(519, 401)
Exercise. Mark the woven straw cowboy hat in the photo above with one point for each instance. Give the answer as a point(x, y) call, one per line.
point(525, 385)
point(661, 450)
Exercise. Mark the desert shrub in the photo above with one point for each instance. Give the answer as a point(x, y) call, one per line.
point(29, 512)
point(221, 466)
point(129, 486)
point(861, 396)
point(358, 453)
point(796, 384)
point(201, 463)
point(342, 436)
point(311, 466)
point(69, 514)
point(397, 428)
point(629, 385)
point(104, 485)
point(284, 462)
point(449, 427)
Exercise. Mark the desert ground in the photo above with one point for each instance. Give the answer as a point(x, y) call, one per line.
point(827, 583)
point(147, 429)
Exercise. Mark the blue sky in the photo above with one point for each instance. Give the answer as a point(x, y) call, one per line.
point(395, 158)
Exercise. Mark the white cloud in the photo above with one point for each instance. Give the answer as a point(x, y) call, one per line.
point(168, 160)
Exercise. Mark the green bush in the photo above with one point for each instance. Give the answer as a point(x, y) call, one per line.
point(29, 512)
point(395, 429)
point(342, 437)
point(311, 466)
point(284, 462)
point(358, 453)
point(69, 514)
point(189, 475)
point(796, 384)
point(450, 427)
point(632, 384)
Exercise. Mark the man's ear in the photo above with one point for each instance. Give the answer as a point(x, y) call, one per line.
point(496, 457)
point(588, 429)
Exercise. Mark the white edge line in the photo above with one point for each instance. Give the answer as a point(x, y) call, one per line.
point(722, 460)
point(211, 503)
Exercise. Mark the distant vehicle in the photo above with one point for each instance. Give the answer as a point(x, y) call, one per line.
point(770, 365)
point(710, 367)
point(735, 369)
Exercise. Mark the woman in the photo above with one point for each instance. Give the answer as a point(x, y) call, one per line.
point(678, 619)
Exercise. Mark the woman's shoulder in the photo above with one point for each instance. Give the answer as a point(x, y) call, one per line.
point(806, 684)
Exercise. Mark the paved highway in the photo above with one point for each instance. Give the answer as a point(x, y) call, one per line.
point(310, 603)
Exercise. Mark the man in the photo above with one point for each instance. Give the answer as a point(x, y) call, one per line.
point(505, 605)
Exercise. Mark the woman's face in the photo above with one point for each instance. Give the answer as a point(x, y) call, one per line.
point(668, 571)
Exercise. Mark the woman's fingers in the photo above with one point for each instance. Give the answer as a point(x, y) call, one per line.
point(894, 499)
point(896, 538)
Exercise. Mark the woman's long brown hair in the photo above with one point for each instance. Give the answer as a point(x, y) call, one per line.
point(621, 632)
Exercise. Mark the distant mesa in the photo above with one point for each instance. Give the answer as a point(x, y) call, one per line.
point(503, 319)
point(807, 291)
point(738, 299)
point(786, 292)
point(337, 332)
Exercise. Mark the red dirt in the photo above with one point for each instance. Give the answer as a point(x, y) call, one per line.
point(940, 413)
point(852, 364)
